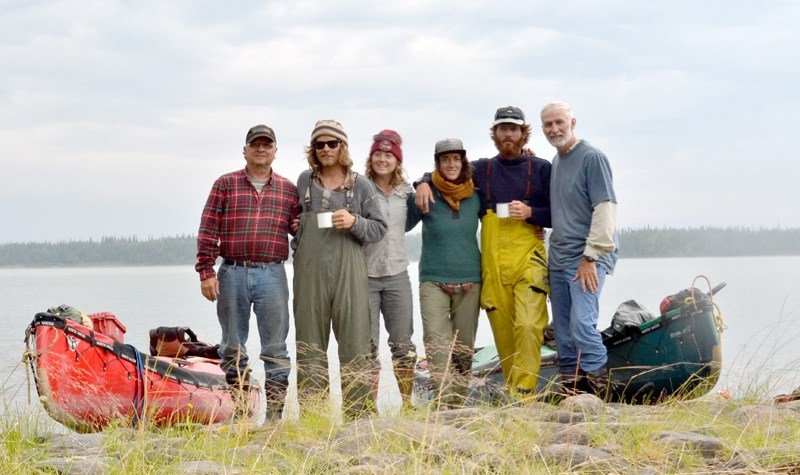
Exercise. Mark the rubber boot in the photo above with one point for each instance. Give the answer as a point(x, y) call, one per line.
point(405, 381)
point(572, 384)
point(598, 382)
point(375, 376)
point(275, 395)
point(240, 394)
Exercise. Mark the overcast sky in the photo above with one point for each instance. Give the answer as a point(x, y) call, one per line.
point(116, 117)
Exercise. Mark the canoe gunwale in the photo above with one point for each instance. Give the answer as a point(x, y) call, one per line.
point(164, 367)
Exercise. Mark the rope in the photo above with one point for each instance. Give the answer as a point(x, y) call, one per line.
point(715, 310)
point(138, 396)
point(28, 359)
point(718, 318)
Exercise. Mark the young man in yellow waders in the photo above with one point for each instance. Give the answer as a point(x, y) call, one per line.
point(514, 188)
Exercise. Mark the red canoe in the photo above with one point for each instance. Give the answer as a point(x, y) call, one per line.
point(86, 380)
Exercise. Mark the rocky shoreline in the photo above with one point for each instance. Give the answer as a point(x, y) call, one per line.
point(581, 434)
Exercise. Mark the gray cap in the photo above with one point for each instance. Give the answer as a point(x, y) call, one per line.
point(447, 146)
point(259, 131)
point(509, 114)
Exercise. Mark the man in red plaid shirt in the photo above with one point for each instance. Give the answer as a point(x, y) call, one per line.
point(246, 222)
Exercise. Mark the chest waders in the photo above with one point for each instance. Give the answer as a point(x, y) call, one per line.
point(331, 291)
point(514, 292)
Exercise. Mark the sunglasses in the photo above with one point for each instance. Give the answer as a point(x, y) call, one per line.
point(264, 144)
point(332, 144)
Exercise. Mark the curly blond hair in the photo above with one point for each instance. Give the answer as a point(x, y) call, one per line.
point(344, 157)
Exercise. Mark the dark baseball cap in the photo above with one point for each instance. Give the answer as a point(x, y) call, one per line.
point(259, 131)
point(509, 114)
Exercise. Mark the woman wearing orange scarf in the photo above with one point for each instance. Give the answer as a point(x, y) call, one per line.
point(449, 272)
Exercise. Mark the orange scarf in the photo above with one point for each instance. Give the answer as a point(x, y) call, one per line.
point(452, 193)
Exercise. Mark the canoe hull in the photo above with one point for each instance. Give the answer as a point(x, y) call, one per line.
point(86, 381)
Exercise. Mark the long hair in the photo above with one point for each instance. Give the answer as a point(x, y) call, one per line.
point(344, 157)
point(398, 177)
point(466, 168)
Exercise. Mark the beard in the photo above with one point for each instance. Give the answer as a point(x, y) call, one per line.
point(510, 148)
point(561, 142)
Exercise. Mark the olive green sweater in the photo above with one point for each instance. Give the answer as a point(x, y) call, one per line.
point(450, 252)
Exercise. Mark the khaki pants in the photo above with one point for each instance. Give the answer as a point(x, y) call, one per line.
point(449, 324)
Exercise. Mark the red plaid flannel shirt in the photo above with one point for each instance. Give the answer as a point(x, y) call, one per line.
point(242, 224)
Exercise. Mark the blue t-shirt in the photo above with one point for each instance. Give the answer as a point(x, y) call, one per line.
point(579, 181)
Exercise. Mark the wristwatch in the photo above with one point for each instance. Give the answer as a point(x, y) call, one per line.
point(588, 258)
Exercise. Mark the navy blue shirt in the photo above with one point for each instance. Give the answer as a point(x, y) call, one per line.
point(525, 179)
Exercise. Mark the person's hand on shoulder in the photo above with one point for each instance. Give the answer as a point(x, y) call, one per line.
point(424, 197)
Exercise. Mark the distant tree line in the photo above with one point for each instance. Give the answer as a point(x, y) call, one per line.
point(709, 242)
point(181, 250)
point(108, 251)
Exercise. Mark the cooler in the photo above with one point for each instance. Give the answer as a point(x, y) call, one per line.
point(107, 324)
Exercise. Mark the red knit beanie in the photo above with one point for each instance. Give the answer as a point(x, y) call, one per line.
point(388, 141)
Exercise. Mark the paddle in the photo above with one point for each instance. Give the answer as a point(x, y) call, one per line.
point(717, 288)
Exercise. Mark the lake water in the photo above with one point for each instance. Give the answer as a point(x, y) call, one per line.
point(760, 306)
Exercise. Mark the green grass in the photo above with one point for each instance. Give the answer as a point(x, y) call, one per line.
point(502, 440)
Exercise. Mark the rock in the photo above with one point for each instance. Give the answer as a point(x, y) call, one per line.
point(535, 407)
point(458, 417)
point(73, 443)
point(364, 470)
point(756, 414)
point(202, 467)
point(168, 448)
point(647, 471)
point(581, 433)
point(404, 435)
point(579, 456)
point(578, 434)
point(529, 415)
point(564, 417)
point(585, 403)
point(119, 442)
point(791, 406)
point(380, 463)
point(784, 452)
point(77, 465)
point(247, 451)
point(708, 447)
point(741, 462)
point(619, 410)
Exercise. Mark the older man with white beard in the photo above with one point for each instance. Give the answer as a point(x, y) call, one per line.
point(583, 249)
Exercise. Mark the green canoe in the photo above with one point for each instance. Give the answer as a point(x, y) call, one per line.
point(677, 354)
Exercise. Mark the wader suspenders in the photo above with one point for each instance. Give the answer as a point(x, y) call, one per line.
point(348, 195)
point(528, 187)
